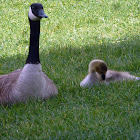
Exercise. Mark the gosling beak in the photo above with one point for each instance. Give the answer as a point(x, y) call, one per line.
point(41, 14)
point(103, 76)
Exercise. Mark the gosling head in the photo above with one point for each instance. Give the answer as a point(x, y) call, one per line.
point(98, 66)
point(36, 12)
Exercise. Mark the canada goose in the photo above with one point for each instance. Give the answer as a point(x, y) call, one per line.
point(98, 73)
point(29, 82)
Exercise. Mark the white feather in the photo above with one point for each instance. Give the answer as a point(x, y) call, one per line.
point(31, 82)
point(32, 16)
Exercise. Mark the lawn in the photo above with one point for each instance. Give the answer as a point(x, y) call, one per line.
point(75, 33)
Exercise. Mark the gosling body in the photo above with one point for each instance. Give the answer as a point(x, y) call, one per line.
point(99, 73)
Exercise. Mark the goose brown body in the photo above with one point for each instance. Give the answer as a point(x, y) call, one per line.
point(9, 92)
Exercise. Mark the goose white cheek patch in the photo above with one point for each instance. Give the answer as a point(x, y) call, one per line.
point(32, 16)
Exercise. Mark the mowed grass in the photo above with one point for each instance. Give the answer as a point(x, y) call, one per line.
point(75, 33)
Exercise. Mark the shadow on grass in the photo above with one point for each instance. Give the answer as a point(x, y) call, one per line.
point(68, 65)
point(76, 112)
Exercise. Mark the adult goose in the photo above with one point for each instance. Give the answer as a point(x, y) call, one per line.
point(29, 82)
point(99, 73)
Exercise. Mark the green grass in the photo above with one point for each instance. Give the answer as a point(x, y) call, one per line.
point(75, 33)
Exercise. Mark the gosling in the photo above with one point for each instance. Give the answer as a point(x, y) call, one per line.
point(99, 73)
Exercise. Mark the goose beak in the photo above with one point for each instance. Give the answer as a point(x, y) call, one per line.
point(103, 76)
point(41, 14)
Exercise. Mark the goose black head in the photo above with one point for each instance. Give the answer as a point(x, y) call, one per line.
point(36, 12)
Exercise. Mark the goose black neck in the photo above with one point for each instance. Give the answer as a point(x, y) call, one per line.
point(33, 56)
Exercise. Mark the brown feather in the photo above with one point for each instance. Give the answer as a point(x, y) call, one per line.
point(8, 82)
